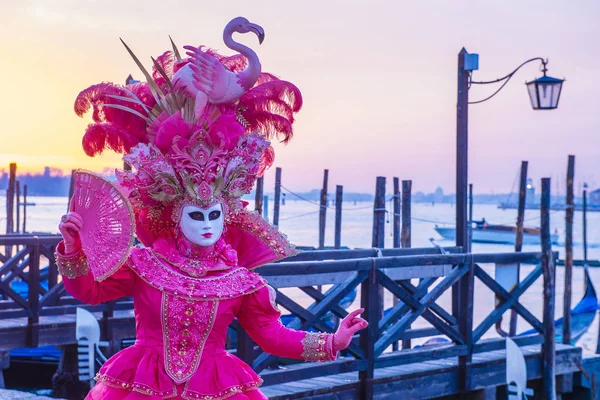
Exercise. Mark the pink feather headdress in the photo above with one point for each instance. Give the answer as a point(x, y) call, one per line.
point(181, 150)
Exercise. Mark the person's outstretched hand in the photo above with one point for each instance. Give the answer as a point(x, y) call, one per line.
point(348, 327)
point(69, 227)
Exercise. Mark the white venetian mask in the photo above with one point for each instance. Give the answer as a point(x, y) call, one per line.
point(202, 226)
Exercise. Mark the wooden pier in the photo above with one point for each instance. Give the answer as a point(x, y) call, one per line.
point(370, 368)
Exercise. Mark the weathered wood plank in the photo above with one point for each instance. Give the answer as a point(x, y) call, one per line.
point(309, 279)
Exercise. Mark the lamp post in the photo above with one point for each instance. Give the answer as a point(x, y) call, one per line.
point(544, 94)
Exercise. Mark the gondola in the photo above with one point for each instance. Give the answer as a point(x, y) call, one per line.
point(582, 315)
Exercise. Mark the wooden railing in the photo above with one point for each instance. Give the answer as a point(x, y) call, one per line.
point(372, 271)
point(30, 257)
point(389, 272)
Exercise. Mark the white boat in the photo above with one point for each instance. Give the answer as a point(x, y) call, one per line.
point(501, 234)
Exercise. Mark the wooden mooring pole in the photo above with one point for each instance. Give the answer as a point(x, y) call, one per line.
point(519, 238)
point(24, 208)
point(277, 198)
point(323, 210)
point(379, 228)
point(396, 219)
point(549, 271)
point(258, 197)
point(10, 205)
point(18, 206)
point(406, 236)
point(569, 214)
point(339, 195)
point(379, 214)
point(397, 238)
point(406, 240)
point(10, 198)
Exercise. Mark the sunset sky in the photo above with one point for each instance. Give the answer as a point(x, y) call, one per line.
point(378, 80)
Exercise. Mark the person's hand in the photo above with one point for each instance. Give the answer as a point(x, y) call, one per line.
point(69, 227)
point(348, 327)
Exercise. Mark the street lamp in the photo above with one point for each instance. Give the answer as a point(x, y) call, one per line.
point(544, 94)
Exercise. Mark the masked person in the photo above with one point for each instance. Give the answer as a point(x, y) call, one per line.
point(196, 138)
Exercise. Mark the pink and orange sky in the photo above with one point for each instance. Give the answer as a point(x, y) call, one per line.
point(378, 79)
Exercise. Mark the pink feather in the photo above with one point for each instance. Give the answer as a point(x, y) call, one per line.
point(270, 108)
point(121, 129)
point(267, 160)
point(99, 137)
point(167, 63)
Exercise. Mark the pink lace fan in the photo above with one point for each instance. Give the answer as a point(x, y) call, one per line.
point(108, 223)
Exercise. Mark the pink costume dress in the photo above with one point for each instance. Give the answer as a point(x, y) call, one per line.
point(185, 149)
point(182, 322)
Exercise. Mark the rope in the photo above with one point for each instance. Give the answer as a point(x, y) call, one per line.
point(299, 215)
point(326, 206)
point(300, 197)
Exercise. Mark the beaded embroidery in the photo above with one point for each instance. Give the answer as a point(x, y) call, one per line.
point(186, 324)
point(72, 266)
point(317, 346)
point(222, 285)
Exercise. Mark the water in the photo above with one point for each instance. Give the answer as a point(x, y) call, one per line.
point(300, 221)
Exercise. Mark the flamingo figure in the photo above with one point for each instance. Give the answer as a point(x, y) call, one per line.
point(207, 79)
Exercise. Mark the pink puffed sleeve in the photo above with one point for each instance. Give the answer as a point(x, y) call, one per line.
point(79, 281)
point(259, 316)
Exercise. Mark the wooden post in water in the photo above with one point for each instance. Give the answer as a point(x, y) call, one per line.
point(569, 213)
point(406, 236)
point(24, 208)
point(548, 266)
point(519, 238)
point(406, 240)
point(258, 198)
point(323, 210)
point(277, 199)
point(18, 206)
point(379, 214)
point(10, 203)
point(379, 229)
point(339, 195)
point(396, 219)
point(10, 199)
point(397, 232)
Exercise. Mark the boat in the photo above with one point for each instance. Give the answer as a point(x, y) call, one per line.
point(582, 315)
point(484, 232)
point(553, 207)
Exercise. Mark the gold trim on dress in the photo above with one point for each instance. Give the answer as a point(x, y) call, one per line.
point(316, 347)
point(72, 266)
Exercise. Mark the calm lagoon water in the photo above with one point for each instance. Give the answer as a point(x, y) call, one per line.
point(299, 220)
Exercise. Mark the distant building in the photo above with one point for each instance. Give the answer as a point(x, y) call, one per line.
point(595, 197)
